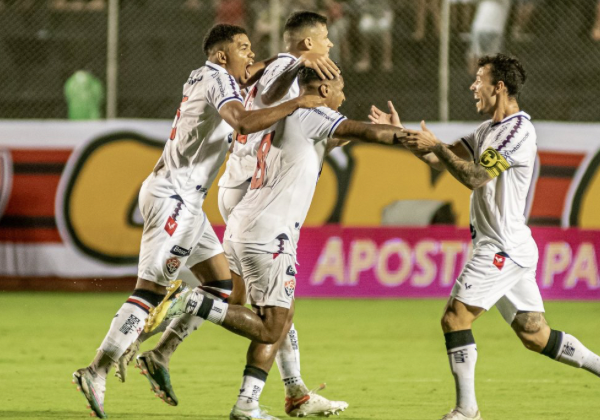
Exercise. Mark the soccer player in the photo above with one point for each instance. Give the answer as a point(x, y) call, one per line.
point(307, 45)
point(263, 229)
point(496, 162)
point(176, 230)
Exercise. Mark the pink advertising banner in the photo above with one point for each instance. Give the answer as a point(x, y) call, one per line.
point(346, 262)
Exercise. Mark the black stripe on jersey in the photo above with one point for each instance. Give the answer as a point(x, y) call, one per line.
point(466, 143)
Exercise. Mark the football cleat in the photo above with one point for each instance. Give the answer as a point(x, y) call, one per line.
point(188, 301)
point(253, 414)
point(125, 360)
point(457, 415)
point(313, 404)
point(158, 313)
point(93, 388)
point(158, 376)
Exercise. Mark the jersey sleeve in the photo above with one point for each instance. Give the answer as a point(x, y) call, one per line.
point(320, 123)
point(273, 72)
point(468, 142)
point(515, 147)
point(223, 89)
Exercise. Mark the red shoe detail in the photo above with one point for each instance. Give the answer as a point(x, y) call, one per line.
point(294, 403)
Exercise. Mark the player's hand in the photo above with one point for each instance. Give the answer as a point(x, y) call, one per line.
point(310, 101)
point(325, 68)
point(420, 141)
point(377, 116)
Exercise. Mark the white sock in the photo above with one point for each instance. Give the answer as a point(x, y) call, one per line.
point(250, 392)
point(205, 307)
point(124, 329)
point(462, 355)
point(288, 362)
point(575, 354)
point(462, 363)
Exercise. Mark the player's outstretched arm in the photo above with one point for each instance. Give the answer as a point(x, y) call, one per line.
point(325, 68)
point(246, 122)
point(369, 133)
point(468, 173)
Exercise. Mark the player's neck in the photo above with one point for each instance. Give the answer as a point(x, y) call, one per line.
point(292, 51)
point(505, 108)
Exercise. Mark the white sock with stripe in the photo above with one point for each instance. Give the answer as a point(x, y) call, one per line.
point(125, 328)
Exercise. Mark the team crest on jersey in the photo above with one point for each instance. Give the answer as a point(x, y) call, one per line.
point(172, 265)
point(499, 261)
point(290, 287)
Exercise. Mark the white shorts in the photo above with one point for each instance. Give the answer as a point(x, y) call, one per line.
point(230, 197)
point(172, 236)
point(270, 277)
point(490, 278)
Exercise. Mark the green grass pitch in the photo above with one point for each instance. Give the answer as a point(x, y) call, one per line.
point(385, 357)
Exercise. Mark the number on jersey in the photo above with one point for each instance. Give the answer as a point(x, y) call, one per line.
point(261, 161)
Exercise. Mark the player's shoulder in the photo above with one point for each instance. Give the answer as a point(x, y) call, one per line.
point(282, 62)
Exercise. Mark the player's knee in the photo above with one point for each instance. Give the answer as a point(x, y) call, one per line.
point(269, 335)
point(452, 322)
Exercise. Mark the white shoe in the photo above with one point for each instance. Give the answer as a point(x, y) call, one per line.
point(256, 413)
point(93, 388)
point(457, 415)
point(125, 360)
point(313, 404)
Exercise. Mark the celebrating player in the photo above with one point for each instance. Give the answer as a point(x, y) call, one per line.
point(176, 230)
point(264, 228)
point(496, 162)
point(307, 43)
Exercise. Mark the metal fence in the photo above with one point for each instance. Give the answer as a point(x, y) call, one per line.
point(417, 52)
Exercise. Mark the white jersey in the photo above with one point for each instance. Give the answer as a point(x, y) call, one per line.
point(241, 162)
point(288, 164)
point(507, 150)
point(197, 146)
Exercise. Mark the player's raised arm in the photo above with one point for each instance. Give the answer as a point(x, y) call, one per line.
point(280, 86)
point(377, 116)
point(422, 142)
point(369, 133)
point(256, 71)
point(246, 122)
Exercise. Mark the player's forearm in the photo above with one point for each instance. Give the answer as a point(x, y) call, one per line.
point(253, 121)
point(430, 159)
point(467, 173)
point(281, 85)
point(256, 71)
point(369, 133)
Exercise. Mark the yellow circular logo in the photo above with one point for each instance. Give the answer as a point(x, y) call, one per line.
point(489, 158)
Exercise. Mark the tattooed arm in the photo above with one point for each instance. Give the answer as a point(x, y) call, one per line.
point(424, 144)
point(466, 172)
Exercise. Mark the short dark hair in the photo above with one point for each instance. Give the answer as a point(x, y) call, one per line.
point(307, 75)
point(221, 33)
point(507, 69)
point(299, 20)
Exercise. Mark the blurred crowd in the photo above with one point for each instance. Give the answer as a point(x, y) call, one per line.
point(368, 24)
point(378, 43)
